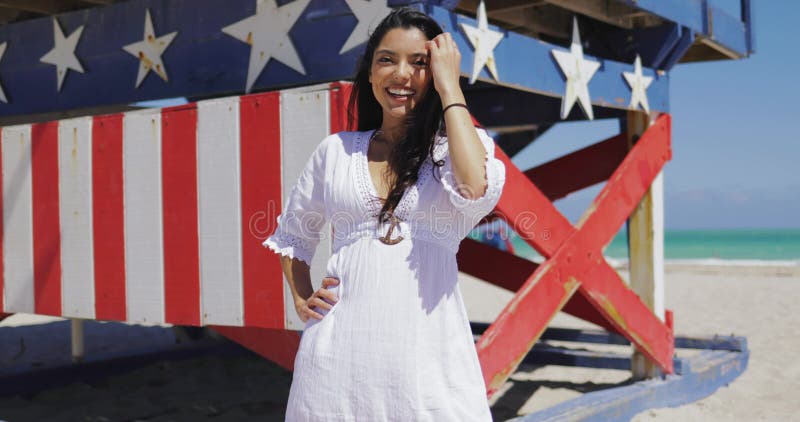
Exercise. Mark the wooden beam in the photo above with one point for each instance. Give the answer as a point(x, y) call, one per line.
point(507, 270)
point(548, 21)
point(98, 2)
point(8, 15)
point(498, 6)
point(45, 7)
point(579, 169)
point(575, 261)
point(524, 17)
point(612, 13)
point(646, 245)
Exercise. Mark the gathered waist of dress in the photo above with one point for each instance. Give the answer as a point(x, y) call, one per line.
point(346, 234)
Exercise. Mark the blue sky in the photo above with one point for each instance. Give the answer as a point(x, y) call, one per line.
point(736, 150)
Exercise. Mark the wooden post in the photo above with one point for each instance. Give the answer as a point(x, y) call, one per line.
point(646, 245)
point(78, 350)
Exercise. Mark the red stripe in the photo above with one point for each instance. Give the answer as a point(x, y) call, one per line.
point(339, 97)
point(179, 187)
point(46, 225)
point(2, 222)
point(108, 218)
point(261, 202)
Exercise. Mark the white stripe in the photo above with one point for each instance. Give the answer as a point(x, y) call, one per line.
point(219, 209)
point(305, 121)
point(75, 189)
point(17, 220)
point(144, 247)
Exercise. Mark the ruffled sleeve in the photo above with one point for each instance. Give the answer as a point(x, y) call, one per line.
point(300, 224)
point(495, 177)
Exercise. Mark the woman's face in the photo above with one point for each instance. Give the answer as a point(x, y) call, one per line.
point(399, 72)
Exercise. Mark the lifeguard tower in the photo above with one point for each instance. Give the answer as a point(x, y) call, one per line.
point(155, 216)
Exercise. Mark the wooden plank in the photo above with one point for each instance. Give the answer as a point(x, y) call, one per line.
point(646, 245)
point(179, 187)
point(203, 61)
point(545, 229)
point(144, 240)
point(259, 117)
point(219, 203)
point(510, 272)
point(77, 242)
point(612, 13)
point(46, 220)
point(701, 376)
point(628, 184)
point(509, 339)
point(44, 7)
point(575, 259)
point(305, 121)
point(507, 270)
point(109, 218)
point(580, 169)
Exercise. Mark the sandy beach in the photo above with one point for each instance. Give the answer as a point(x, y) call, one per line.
point(756, 302)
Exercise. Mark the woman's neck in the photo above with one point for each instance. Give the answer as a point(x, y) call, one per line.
point(392, 128)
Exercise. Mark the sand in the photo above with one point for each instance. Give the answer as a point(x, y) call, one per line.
point(755, 302)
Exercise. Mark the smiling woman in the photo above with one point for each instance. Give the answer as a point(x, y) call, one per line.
point(387, 336)
point(400, 76)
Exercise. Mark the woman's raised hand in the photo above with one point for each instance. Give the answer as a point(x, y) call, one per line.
point(445, 64)
point(318, 300)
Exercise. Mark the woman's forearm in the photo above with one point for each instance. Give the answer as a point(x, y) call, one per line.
point(466, 151)
point(298, 276)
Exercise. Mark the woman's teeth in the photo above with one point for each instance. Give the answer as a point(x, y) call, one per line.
point(402, 93)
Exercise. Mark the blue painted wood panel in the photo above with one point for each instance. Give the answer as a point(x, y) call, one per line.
point(202, 61)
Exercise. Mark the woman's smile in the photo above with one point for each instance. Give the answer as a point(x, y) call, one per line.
point(400, 94)
point(399, 73)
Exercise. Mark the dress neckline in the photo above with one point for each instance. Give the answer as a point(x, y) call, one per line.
point(366, 186)
point(368, 192)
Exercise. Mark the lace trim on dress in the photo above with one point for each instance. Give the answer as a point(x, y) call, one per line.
point(363, 181)
point(367, 188)
point(291, 246)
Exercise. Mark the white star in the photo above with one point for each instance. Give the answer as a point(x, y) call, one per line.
point(267, 32)
point(149, 51)
point(2, 52)
point(638, 84)
point(367, 13)
point(63, 53)
point(578, 72)
point(484, 40)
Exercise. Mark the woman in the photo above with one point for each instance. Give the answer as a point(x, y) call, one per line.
point(387, 337)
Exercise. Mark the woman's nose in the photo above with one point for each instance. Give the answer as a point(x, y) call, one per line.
point(402, 71)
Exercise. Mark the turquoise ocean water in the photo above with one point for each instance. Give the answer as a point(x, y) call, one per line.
point(754, 246)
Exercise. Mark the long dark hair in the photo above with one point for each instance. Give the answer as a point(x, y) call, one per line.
point(422, 124)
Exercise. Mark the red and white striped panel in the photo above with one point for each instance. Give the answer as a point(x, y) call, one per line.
point(157, 216)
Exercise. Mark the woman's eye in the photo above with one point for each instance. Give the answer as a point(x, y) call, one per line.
point(421, 63)
point(384, 60)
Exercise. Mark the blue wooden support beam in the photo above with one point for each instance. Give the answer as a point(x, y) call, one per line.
point(701, 376)
point(202, 61)
point(728, 34)
point(499, 107)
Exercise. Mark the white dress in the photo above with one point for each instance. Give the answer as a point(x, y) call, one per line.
point(397, 346)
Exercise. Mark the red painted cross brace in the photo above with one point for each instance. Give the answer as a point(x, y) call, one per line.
point(574, 262)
